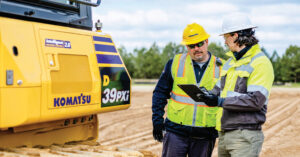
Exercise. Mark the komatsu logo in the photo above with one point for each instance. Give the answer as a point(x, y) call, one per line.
point(67, 101)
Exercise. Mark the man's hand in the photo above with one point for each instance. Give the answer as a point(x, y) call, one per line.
point(158, 132)
point(210, 99)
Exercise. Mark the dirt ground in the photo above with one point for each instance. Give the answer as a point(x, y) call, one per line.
point(129, 132)
point(281, 130)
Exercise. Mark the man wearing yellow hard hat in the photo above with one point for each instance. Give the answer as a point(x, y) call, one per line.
point(190, 126)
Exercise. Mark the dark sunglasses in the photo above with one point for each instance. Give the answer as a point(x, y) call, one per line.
point(200, 44)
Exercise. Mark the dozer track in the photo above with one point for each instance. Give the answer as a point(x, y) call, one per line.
point(48, 133)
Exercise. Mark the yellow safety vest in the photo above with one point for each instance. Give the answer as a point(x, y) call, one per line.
point(181, 108)
point(253, 72)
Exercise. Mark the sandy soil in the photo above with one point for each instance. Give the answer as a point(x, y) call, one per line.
point(129, 132)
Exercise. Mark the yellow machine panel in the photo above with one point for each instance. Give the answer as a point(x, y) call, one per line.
point(20, 93)
point(57, 78)
point(72, 77)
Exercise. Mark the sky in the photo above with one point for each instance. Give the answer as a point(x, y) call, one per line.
point(140, 23)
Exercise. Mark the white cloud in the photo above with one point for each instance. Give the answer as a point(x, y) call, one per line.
point(157, 17)
point(140, 18)
point(270, 36)
point(279, 36)
point(208, 8)
point(276, 15)
point(134, 34)
point(121, 18)
point(270, 20)
point(281, 9)
point(142, 38)
point(209, 23)
point(278, 41)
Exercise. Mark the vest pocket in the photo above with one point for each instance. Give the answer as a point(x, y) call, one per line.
point(177, 113)
point(209, 117)
point(178, 108)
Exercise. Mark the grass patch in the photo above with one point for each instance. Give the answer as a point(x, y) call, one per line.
point(289, 85)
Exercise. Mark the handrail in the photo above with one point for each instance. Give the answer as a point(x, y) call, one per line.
point(87, 3)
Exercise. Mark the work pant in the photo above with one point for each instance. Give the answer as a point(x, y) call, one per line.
point(237, 143)
point(179, 146)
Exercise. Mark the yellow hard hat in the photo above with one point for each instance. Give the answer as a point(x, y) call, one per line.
point(193, 33)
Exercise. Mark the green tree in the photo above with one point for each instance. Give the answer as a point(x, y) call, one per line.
point(217, 50)
point(138, 62)
point(265, 52)
point(290, 64)
point(128, 60)
point(152, 65)
point(170, 50)
point(276, 62)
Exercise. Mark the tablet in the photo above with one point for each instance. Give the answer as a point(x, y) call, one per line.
point(193, 91)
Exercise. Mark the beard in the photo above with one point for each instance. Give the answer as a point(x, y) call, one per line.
point(197, 57)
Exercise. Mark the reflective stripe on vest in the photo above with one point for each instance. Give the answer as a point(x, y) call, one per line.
point(263, 90)
point(233, 94)
point(186, 100)
point(227, 65)
point(216, 69)
point(246, 67)
point(180, 71)
point(218, 84)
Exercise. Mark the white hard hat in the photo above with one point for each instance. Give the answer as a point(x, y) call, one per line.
point(236, 22)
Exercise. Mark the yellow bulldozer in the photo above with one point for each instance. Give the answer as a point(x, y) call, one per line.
point(56, 73)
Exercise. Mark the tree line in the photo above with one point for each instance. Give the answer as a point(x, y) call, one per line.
point(149, 62)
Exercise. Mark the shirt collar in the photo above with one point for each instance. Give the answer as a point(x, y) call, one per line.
point(239, 55)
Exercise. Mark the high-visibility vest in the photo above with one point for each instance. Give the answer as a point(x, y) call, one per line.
point(181, 108)
point(253, 72)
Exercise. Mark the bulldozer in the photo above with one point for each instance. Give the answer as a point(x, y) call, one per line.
point(56, 73)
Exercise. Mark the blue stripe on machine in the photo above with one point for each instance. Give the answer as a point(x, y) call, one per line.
point(103, 39)
point(105, 48)
point(108, 59)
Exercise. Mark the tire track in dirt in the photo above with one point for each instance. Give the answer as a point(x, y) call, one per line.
point(70, 150)
point(137, 122)
point(283, 127)
point(126, 139)
point(128, 120)
point(281, 114)
point(141, 142)
point(127, 126)
point(280, 104)
point(137, 112)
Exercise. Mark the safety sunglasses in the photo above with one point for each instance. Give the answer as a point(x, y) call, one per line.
point(200, 44)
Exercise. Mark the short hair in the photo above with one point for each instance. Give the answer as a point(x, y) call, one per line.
point(245, 37)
